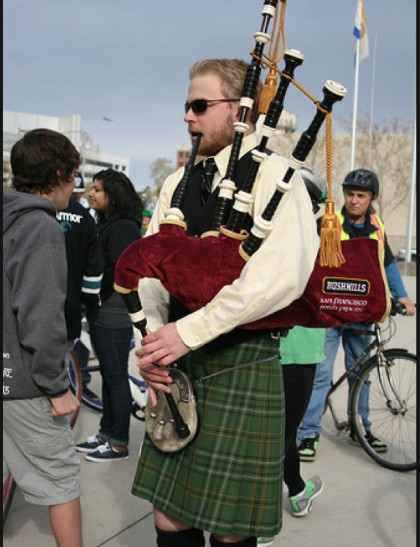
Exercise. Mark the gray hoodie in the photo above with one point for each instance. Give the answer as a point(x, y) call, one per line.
point(34, 290)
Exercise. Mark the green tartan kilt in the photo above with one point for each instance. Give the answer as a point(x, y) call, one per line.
point(229, 479)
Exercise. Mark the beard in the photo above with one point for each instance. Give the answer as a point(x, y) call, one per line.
point(216, 140)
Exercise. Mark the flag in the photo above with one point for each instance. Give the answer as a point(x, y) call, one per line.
point(360, 31)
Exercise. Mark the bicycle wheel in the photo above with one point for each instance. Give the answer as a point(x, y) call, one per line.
point(9, 488)
point(82, 392)
point(75, 377)
point(90, 391)
point(392, 408)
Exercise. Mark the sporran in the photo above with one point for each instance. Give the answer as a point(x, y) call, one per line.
point(160, 424)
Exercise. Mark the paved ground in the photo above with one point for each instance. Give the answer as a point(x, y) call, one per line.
point(363, 504)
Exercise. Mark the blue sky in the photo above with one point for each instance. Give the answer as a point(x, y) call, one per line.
point(128, 60)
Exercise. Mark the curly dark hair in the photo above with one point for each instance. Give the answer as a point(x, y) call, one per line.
point(124, 202)
point(37, 158)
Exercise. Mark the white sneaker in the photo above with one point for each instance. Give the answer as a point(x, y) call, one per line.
point(265, 542)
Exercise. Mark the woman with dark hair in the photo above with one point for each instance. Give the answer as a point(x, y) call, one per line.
point(119, 212)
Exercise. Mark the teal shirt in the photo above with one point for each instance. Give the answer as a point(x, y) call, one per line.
point(303, 346)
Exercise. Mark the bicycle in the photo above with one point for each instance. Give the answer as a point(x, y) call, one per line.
point(88, 394)
point(391, 376)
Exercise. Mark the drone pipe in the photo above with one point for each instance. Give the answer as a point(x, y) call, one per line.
point(333, 92)
point(227, 185)
point(235, 222)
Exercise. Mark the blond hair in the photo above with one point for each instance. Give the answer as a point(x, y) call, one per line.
point(232, 73)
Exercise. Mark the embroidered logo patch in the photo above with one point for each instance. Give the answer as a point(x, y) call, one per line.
point(345, 285)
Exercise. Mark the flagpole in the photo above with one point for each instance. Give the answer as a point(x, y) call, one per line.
point(372, 101)
point(408, 247)
point(356, 87)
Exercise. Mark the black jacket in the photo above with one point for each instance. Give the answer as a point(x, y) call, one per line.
point(84, 263)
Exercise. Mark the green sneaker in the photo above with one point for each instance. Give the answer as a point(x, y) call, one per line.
point(302, 503)
point(377, 445)
point(308, 447)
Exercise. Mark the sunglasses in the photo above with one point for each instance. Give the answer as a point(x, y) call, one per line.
point(199, 106)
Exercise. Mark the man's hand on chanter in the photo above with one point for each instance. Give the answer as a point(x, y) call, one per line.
point(162, 347)
point(158, 350)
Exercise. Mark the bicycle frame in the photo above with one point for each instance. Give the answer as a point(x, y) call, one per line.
point(389, 374)
point(402, 405)
point(376, 343)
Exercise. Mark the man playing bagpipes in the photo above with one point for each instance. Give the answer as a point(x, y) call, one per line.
point(228, 480)
point(230, 261)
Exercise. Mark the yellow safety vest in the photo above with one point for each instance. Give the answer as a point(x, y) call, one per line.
point(378, 234)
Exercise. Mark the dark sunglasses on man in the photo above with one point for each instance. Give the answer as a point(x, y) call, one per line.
point(199, 106)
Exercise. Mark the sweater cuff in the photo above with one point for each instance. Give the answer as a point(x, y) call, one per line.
point(59, 394)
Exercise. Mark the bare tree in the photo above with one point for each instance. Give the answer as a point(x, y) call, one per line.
point(384, 148)
point(147, 195)
point(159, 170)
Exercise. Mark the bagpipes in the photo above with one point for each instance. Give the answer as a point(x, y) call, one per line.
point(347, 284)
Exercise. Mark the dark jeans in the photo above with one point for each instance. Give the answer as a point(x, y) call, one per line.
point(298, 381)
point(112, 346)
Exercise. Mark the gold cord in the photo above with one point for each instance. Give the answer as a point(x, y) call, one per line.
point(330, 249)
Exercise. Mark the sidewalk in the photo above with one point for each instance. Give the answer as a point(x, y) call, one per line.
point(363, 504)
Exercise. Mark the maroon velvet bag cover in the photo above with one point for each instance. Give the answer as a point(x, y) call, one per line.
point(193, 270)
point(354, 292)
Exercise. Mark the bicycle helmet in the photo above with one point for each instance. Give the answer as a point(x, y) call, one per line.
point(79, 185)
point(362, 178)
point(316, 186)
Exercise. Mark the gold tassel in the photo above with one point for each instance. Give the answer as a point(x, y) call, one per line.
point(330, 252)
point(268, 92)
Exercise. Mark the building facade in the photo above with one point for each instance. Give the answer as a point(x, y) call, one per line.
point(16, 124)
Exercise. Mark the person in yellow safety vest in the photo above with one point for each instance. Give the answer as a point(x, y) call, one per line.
point(357, 219)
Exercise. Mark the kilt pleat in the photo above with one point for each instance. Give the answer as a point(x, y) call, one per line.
point(229, 479)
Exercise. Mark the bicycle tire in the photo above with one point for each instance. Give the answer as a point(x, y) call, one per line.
point(9, 488)
point(393, 423)
point(75, 377)
point(90, 398)
point(74, 372)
